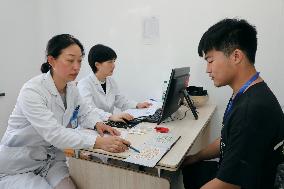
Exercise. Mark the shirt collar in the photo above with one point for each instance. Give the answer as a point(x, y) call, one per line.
point(96, 80)
point(50, 85)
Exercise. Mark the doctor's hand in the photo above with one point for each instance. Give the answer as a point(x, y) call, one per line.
point(112, 144)
point(102, 128)
point(143, 105)
point(122, 117)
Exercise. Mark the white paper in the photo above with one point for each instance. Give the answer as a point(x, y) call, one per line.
point(145, 111)
point(153, 150)
point(141, 112)
point(151, 28)
point(148, 156)
point(163, 140)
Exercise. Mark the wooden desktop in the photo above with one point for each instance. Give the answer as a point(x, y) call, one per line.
point(92, 174)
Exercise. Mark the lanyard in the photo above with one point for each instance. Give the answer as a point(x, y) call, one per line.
point(74, 120)
point(241, 91)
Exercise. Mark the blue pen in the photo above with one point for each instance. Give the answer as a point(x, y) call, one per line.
point(131, 147)
point(153, 99)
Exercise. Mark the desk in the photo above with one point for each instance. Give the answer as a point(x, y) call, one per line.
point(88, 174)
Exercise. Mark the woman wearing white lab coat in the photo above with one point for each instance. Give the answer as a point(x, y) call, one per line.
point(101, 91)
point(43, 123)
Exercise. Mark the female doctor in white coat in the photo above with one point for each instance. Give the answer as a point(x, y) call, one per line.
point(101, 91)
point(42, 123)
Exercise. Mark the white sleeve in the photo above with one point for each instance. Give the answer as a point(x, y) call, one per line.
point(88, 117)
point(34, 107)
point(87, 95)
point(122, 101)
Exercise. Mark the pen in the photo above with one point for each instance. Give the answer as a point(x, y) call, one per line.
point(153, 99)
point(131, 147)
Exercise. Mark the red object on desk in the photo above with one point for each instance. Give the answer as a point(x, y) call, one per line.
point(162, 129)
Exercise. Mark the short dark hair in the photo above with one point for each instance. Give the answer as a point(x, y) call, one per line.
point(55, 46)
point(100, 53)
point(228, 35)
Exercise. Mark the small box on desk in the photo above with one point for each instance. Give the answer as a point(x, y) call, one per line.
point(198, 95)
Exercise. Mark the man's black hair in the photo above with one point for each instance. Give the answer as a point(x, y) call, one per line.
point(228, 35)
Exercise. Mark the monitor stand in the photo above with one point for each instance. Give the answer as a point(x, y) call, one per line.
point(190, 104)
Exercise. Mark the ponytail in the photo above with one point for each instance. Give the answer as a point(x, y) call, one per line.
point(45, 67)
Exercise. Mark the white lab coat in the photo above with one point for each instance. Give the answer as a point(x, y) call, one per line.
point(103, 103)
point(37, 134)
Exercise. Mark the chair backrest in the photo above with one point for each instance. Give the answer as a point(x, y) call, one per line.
point(279, 178)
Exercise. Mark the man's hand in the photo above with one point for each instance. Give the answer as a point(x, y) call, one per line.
point(101, 128)
point(191, 159)
point(210, 152)
point(218, 184)
point(112, 144)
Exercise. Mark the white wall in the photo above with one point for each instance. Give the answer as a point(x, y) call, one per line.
point(141, 68)
point(19, 52)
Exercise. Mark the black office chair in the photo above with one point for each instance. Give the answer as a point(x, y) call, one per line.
point(279, 178)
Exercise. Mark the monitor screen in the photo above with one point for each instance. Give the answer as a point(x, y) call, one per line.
point(175, 92)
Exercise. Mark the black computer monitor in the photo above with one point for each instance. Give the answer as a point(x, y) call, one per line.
point(176, 91)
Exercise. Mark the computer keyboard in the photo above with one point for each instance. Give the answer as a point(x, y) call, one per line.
point(128, 124)
point(155, 117)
